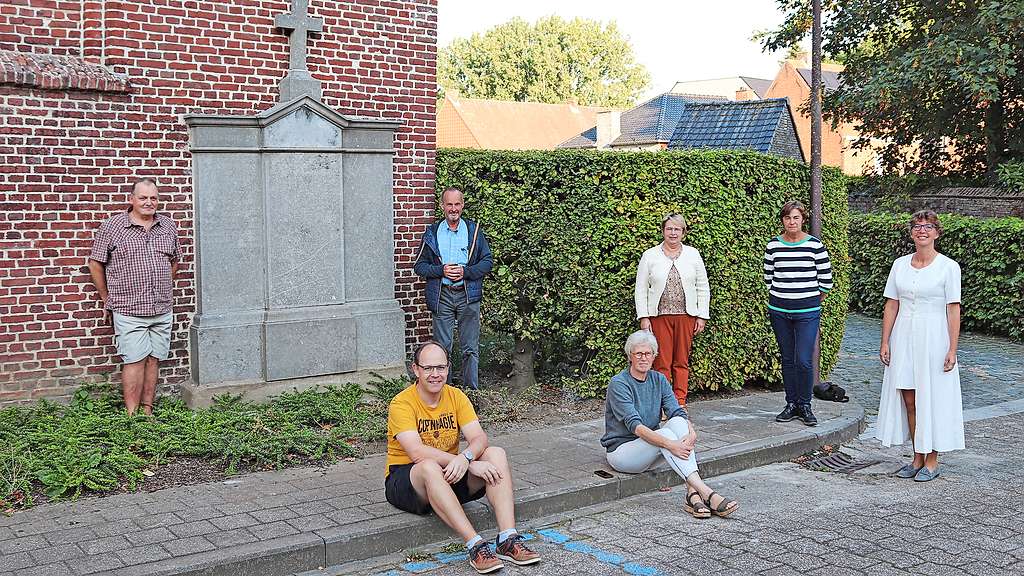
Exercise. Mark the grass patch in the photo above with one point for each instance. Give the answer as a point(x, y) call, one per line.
point(91, 445)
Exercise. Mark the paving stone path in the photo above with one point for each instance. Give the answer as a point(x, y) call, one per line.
point(795, 521)
point(991, 368)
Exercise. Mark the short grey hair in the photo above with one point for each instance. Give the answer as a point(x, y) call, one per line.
point(641, 338)
point(674, 217)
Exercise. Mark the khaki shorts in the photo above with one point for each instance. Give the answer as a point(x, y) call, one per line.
point(139, 337)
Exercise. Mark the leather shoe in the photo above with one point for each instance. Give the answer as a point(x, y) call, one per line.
point(787, 414)
point(908, 471)
point(926, 475)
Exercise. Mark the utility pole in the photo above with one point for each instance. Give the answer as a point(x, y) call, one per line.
point(816, 151)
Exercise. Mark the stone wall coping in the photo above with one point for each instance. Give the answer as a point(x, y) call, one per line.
point(58, 73)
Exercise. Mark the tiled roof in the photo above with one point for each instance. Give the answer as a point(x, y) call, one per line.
point(506, 125)
point(649, 123)
point(829, 79)
point(758, 85)
point(751, 124)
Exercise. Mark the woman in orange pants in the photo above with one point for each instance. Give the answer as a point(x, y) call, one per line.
point(672, 299)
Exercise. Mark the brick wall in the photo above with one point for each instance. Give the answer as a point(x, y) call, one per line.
point(67, 156)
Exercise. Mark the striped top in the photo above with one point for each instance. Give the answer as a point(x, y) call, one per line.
point(796, 274)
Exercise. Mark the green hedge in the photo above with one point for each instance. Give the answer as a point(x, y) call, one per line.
point(567, 229)
point(990, 252)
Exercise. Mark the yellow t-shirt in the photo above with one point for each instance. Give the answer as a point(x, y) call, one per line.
point(438, 427)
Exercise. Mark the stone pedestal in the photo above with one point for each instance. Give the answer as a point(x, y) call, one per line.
point(294, 251)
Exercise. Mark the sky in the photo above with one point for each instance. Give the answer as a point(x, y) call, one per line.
point(674, 40)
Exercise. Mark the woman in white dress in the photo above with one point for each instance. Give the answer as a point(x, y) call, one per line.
point(920, 328)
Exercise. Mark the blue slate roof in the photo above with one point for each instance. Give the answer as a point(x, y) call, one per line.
point(762, 125)
point(651, 122)
point(829, 80)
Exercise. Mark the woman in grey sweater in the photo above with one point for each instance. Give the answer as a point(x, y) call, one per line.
point(633, 437)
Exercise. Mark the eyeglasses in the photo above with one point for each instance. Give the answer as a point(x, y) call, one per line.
point(643, 354)
point(928, 227)
point(439, 369)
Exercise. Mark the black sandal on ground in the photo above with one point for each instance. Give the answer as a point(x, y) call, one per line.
point(698, 509)
point(723, 509)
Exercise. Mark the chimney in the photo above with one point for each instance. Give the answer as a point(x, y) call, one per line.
point(608, 127)
point(745, 94)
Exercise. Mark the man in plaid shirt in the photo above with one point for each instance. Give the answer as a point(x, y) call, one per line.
point(133, 262)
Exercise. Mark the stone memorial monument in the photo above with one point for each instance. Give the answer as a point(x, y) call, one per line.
point(294, 249)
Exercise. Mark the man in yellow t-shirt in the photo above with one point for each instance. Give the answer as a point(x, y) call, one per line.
point(426, 472)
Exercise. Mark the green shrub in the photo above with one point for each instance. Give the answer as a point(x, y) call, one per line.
point(92, 444)
point(567, 229)
point(990, 252)
point(1011, 175)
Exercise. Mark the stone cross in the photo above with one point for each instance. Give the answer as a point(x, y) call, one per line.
point(298, 82)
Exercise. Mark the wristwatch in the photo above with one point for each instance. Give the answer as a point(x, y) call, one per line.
point(469, 455)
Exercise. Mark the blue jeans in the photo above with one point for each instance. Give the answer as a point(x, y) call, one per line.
point(796, 332)
point(451, 309)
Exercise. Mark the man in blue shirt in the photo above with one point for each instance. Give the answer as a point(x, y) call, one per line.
point(454, 258)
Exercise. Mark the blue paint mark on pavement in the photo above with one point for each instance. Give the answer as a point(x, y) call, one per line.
point(554, 536)
point(548, 534)
point(420, 566)
point(449, 557)
point(606, 557)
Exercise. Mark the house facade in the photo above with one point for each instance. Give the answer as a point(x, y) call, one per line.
point(794, 82)
point(507, 125)
point(94, 93)
point(677, 121)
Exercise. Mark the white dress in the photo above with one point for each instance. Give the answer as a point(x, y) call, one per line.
point(917, 349)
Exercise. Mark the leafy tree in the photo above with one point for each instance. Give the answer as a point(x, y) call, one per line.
point(551, 61)
point(941, 83)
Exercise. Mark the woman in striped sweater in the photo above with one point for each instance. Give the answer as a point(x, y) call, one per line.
point(799, 275)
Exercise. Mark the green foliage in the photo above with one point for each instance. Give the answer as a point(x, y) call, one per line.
point(567, 229)
point(921, 74)
point(552, 61)
point(1011, 175)
point(990, 252)
point(92, 444)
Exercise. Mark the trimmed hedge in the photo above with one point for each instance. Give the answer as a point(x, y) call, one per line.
point(990, 252)
point(567, 229)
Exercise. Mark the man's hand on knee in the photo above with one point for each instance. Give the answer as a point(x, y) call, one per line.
point(456, 469)
point(487, 471)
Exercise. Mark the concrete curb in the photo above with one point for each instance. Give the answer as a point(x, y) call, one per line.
point(312, 551)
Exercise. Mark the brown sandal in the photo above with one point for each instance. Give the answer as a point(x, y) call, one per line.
point(698, 509)
point(723, 509)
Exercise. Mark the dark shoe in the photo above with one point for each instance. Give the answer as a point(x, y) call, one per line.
point(806, 416)
point(787, 414)
point(513, 550)
point(483, 560)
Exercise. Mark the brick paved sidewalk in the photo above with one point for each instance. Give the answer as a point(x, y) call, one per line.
point(300, 519)
point(991, 368)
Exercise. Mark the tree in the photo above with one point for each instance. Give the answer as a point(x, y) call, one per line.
point(552, 61)
point(940, 83)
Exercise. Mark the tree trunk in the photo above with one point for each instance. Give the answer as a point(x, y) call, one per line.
point(522, 364)
point(994, 131)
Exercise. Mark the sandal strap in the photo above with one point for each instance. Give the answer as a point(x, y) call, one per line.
point(701, 505)
point(723, 505)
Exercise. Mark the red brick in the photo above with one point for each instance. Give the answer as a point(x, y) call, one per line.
point(67, 157)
